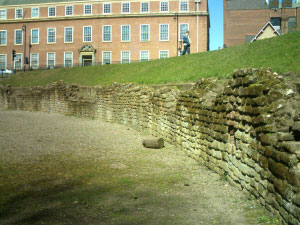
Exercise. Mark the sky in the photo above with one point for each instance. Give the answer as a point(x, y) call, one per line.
point(216, 24)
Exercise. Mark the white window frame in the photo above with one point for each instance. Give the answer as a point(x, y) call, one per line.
point(48, 59)
point(51, 7)
point(4, 10)
point(110, 8)
point(122, 56)
point(141, 32)
point(66, 10)
point(54, 35)
point(141, 9)
point(141, 55)
point(65, 59)
point(122, 26)
point(17, 13)
point(160, 6)
point(38, 16)
point(103, 33)
point(5, 61)
point(65, 35)
point(184, 1)
point(16, 37)
point(103, 57)
point(122, 7)
point(5, 38)
point(163, 51)
point(188, 27)
point(38, 59)
point(83, 34)
point(32, 36)
point(84, 12)
point(15, 62)
point(160, 25)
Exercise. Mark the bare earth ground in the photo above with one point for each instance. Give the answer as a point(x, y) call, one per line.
point(64, 170)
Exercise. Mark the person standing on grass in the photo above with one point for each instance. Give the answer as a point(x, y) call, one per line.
point(186, 43)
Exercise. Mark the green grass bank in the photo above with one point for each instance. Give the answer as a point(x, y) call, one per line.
point(281, 54)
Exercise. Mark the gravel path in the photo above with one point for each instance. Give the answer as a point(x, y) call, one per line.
point(56, 169)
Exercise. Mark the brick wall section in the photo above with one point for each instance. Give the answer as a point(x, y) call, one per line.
point(246, 128)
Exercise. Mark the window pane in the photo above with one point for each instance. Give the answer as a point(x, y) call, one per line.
point(125, 56)
point(183, 28)
point(163, 54)
point(19, 13)
point(106, 33)
point(34, 60)
point(34, 36)
point(69, 34)
point(144, 56)
point(125, 33)
point(184, 5)
point(164, 6)
point(69, 10)
point(68, 59)
point(145, 32)
point(35, 12)
point(51, 35)
point(144, 7)
point(2, 62)
point(126, 7)
point(164, 32)
point(87, 34)
point(3, 37)
point(51, 11)
point(3, 14)
point(87, 9)
point(18, 62)
point(106, 8)
point(106, 58)
point(51, 60)
point(18, 37)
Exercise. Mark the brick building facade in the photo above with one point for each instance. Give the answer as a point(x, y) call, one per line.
point(243, 19)
point(55, 33)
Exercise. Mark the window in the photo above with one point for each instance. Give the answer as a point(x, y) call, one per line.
point(144, 56)
point(18, 13)
point(68, 59)
point(68, 34)
point(35, 12)
point(163, 32)
point(144, 7)
point(184, 6)
point(87, 9)
point(182, 29)
point(87, 34)
point(69, 10)
point(18, 37)
point(125, 56)
point(18, 61)
point(125, 7)
point(51, 36)
point(3, 62)
point(106, 57)
point(34, 60)
point(164, 6)
point(35, 36)
point(106, 8)
point(164, 54)
point(52, 11)
point(145, 29)
point(3, 37)
point(292, 24)
point(106, 31)
point(276, 21)
point(3, 14)
point(125, 30)
point(50, 60)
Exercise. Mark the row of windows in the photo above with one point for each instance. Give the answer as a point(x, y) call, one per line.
point(88, 9)
point(88, 34)
point(68, 58)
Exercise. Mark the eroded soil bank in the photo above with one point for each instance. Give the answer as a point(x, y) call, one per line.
point(64, 170)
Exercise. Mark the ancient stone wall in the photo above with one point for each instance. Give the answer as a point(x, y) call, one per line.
point(246, 128)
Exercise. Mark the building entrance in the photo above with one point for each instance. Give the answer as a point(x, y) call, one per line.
point(87, 55)
point(87, 60)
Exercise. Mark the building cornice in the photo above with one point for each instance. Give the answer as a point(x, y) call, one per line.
point(45, 19)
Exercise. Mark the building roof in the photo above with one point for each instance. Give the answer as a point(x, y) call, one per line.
point(268, 24)
point(251, 4)
point(25, 2)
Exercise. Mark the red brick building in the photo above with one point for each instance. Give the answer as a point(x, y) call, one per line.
point(243, 19)
point(54, 33)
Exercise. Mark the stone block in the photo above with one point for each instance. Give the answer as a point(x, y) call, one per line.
point(290, 146)
point(294, 177)
point(268, 139)
point(285, 136)
point(296, 198)
point(296, 126)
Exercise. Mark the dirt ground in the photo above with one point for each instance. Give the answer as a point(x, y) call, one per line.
point(56, 169)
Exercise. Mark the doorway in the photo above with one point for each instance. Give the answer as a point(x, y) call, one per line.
point(87, 60)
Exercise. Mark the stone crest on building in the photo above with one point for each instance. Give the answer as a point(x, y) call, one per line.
point(87, 48)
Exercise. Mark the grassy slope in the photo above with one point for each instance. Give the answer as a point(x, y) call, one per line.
point(281, 54)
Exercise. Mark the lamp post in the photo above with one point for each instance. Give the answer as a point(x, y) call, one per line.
point(24, 58)
point(176, 18)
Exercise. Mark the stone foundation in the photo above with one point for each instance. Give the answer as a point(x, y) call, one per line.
point(246, 128)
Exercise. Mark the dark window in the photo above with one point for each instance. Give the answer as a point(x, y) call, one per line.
point(276, 21)
point(292, 24)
